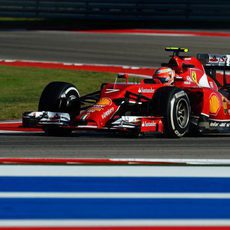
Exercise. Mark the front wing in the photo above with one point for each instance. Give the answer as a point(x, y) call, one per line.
point(45, 119)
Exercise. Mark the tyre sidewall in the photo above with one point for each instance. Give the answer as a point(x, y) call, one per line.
point(164, 103)
point(56, 96)
point(69, 100)
point(175, 129)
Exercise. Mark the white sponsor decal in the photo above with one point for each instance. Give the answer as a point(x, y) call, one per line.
point(149, 124)
point(180, 94)
point(107, 113)
point(220, 124)
point(143, 90)
point(217, 59)
point(187, 82)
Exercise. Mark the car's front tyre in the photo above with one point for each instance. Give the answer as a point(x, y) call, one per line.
point(59, 97)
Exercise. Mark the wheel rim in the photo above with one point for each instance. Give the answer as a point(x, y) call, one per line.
point(70, 101)
point(182, 113)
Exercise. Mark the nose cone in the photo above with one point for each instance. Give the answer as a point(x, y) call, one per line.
point(99, 114)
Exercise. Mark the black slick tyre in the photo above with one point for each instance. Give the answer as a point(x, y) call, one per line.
point(173, 104)
point(59, 97)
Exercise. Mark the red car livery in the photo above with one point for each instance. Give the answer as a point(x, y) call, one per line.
point(196, 102)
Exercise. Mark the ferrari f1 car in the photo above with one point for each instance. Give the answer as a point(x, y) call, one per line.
point(197, 101)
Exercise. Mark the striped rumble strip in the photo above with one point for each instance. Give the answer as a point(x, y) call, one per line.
point(114, 197)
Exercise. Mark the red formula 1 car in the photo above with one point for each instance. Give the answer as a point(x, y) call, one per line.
point(196, 101)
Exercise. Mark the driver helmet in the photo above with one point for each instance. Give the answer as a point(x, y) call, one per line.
point(165, 75)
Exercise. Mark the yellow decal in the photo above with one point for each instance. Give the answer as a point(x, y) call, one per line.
point(104, 101)
point(194, 78)
point(214, 104)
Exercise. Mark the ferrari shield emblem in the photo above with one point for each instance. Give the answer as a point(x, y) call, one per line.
point(194, 78)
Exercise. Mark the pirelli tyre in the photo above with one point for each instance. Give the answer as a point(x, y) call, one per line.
point(59, 97)
point(173, 104)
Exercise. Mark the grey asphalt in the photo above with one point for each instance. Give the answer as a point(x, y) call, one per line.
point(133, 50)
point(104, 145)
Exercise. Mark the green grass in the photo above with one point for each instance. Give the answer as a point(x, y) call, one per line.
point(21, 87)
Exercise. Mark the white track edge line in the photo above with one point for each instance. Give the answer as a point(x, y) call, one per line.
point(114, 171)
point(76, 64)
point(110, 223)
point(119, 195)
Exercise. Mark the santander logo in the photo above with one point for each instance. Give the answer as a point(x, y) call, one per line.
point(143, 90)
point(107, 113)
point(148, 124)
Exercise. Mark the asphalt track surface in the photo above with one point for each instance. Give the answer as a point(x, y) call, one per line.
point(94, 145)
point(133, 50)
point(118, 49)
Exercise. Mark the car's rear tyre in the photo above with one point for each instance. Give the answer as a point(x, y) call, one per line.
point(59, 97)
point(173, 104)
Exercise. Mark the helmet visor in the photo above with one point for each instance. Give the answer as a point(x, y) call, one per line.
point(163, 80)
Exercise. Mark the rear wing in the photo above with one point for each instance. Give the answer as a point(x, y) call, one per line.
point(216, 62)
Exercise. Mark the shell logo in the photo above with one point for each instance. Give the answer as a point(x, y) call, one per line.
point(104, 101)
point(214, 104)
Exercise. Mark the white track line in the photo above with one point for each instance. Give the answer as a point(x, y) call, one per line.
point(114, 171)
point(117, 195)
point(112, 223)
point(76, 64)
